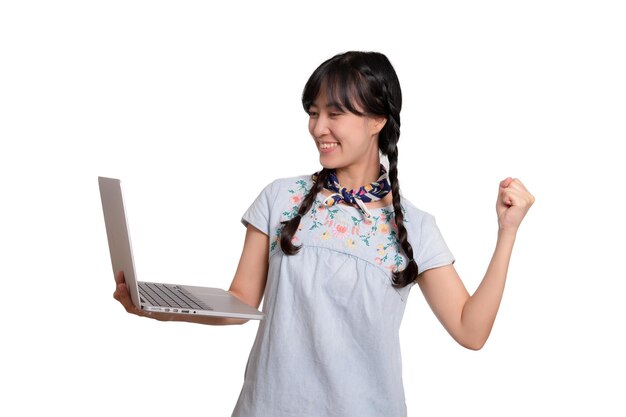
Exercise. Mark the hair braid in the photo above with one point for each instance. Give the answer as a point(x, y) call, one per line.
point(408, 274)
point(290, 227)
point(388, 144)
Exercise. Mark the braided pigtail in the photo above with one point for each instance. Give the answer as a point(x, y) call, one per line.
point(408, 274)
point(290, 227)
point(388, 144)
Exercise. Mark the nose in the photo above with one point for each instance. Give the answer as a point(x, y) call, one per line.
point(318, 126)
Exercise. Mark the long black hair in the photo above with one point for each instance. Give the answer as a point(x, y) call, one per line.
point(366, 80)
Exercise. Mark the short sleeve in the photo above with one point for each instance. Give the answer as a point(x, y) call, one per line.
point(432, 251)
point(258, 214)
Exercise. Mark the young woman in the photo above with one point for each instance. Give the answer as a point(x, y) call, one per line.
point(335, 254)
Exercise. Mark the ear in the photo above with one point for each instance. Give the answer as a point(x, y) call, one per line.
point(376, 124)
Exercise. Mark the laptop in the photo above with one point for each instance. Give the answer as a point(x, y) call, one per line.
point(154, 296)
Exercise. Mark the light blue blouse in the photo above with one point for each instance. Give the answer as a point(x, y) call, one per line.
point(329, 344)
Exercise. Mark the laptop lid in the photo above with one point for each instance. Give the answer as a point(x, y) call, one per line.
point(118, 234)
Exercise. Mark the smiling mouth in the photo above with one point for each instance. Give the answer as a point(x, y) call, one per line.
point(327, 146)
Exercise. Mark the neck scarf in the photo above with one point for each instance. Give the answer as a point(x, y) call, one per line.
point(371, 192)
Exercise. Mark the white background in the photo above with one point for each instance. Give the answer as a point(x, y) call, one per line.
point(197, 107)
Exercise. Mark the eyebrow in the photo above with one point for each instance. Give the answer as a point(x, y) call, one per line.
point(332, 104)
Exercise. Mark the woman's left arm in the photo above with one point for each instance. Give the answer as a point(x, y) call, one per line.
point(469, 319)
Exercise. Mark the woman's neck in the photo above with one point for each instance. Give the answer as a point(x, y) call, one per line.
point(355, 176)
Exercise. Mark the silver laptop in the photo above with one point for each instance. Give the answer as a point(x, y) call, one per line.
point(152, 296)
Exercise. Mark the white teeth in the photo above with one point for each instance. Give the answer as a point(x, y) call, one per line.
point(327, 145)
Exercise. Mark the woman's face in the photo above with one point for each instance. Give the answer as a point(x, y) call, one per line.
point(342, 138)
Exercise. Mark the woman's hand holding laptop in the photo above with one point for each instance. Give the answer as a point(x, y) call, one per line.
point(122, 295)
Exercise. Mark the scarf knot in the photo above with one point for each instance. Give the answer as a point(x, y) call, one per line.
point(370, 192)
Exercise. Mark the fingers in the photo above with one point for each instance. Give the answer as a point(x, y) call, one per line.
point(514, 183)
point(505, 182)
point(514, 193)
point(509, 197)
point(121, 292)
point(122, 295)
point(119, 277)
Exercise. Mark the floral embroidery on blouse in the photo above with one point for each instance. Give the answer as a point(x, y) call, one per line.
point(297, 197)
point(331, 223)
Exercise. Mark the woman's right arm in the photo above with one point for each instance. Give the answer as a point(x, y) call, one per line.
point(248, 284)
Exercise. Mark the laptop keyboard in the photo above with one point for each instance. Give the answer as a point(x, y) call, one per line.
point(166, 295)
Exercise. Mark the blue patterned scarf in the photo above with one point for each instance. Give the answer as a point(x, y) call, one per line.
point(371, 192)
